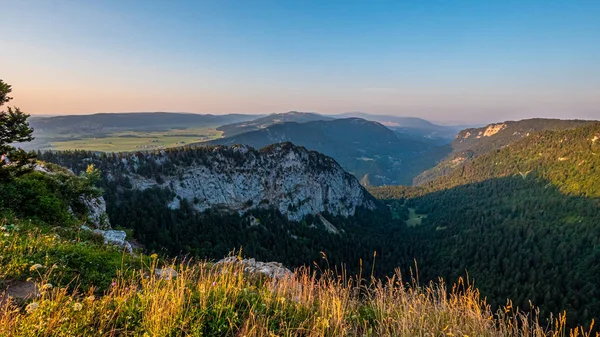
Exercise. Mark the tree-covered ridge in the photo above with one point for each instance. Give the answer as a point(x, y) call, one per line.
point(568, 159)
point(470, 144)
point(170, 161)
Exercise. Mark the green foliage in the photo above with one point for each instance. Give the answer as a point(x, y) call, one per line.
point(13, 128)
point(47, 197)
point(5, 90)
point(67, 255)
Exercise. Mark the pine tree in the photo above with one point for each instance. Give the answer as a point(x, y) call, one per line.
point(14, 128)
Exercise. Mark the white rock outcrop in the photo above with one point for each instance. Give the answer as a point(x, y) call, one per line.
point(96, 208)
point(165, 273)
point(291, 179)
point(113, 237)
point(273, 270)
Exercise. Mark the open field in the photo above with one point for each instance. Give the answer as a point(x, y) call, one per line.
point(414, 219)
point(138, 140)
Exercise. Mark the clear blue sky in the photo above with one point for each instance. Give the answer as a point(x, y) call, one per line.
point(464, 61)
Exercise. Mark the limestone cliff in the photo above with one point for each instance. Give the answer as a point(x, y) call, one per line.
point(291, 179)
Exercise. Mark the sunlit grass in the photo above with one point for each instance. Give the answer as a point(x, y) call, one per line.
point(209, 300)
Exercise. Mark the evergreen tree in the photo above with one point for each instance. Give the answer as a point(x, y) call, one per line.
point(14, 128)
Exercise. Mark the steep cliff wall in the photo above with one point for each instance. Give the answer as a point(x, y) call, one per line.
point(295, 181)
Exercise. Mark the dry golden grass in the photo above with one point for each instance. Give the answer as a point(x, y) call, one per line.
point(204, 300)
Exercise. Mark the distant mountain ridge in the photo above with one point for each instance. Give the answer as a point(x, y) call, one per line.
point(263, 122)
point(409, 125)
point(101, 122)
point(474, 142)
point(367, 149)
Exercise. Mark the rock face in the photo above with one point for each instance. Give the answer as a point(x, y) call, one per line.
point(273, 270)
point(291, 179)
point(96, 211)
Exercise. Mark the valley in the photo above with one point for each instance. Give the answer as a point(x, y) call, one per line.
point(486, 219)
point(130, 140)
point(300, 168)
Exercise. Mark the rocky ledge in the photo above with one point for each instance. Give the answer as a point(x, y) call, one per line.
point(274, 270)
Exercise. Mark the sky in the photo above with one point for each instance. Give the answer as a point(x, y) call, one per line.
point(447, 61)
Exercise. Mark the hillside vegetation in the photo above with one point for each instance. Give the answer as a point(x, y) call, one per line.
point(207, 301)
point(469, 144)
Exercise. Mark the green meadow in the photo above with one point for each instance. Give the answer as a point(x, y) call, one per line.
point(137, 140)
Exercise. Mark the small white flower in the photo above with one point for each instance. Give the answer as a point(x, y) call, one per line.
point(36, 267)
point(31, 307)
point(77, 306)
point(47, 286)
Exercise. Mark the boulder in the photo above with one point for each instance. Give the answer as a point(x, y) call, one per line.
point(165, 273)
point(114, 237)
point(274, 270)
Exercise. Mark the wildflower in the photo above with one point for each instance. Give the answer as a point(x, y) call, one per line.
point(31, 307)
point(36, 267)
point(154, 256)
point(90, 298)
point(47, 286)
point(214, 284)
point(6, 234)
point(113, 284)
point(77, 306)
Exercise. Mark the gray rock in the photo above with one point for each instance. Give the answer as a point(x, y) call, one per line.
point(114, 237)
point(274, 270)
point(291, 179)
point(96, 211)
point(165, 273)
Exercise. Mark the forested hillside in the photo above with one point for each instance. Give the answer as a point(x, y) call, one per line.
point(472, 143)
point(568, 159)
